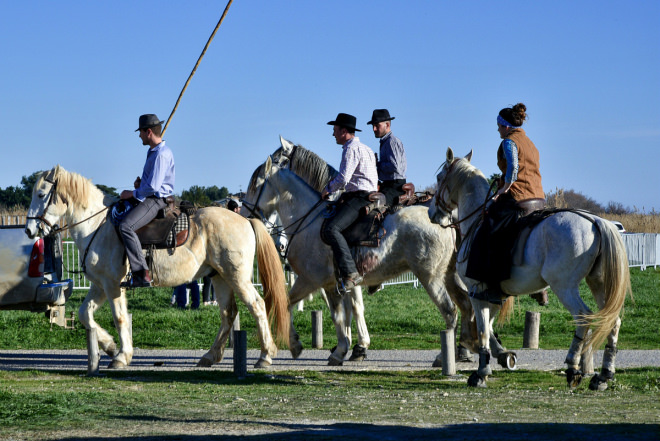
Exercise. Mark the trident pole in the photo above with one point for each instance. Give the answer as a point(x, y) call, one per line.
point(197, 64)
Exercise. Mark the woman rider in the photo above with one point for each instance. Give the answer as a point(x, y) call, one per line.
point(519, 193)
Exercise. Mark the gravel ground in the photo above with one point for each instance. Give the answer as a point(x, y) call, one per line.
point(173, 360)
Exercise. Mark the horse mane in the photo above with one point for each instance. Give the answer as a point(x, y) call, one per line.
point(311, 168)
point(305, 164)
point(72, 187)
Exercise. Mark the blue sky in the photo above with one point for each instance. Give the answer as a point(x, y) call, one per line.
point(76, 75)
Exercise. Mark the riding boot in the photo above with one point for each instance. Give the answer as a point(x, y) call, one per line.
point(139, 279)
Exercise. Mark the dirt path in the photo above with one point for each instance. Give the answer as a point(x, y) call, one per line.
point(147, 359)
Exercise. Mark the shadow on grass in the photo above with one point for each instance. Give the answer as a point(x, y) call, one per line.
point(351, 431)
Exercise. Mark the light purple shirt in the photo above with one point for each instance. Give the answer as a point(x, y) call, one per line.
point(357, 171)
point(158, 174)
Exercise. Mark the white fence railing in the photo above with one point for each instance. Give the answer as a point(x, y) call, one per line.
point(72, 264)
point(643, 249)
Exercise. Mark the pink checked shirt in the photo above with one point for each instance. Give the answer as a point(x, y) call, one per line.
point(357, 170)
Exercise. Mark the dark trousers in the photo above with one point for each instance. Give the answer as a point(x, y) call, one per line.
point(348, 210)
point(138, 217)
point(392, 190)
point(208, 293)
point(181, 295)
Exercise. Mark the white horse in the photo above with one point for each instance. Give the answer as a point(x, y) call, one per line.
point(290, 183)
point(221, 243)
point(561, 250)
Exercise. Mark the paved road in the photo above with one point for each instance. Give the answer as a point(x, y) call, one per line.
point(173, 360)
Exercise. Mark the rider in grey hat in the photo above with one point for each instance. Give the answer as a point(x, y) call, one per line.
point(151, 190)
point(392, 163)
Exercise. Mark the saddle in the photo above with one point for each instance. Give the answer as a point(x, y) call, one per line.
point(496, 246)
point(411, 198)
point(169, 229)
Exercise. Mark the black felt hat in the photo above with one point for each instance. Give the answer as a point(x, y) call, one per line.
point(147, 121)
point(380, 115)
point(346, 121)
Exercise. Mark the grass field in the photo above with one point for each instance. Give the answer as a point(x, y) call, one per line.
point(399, 317)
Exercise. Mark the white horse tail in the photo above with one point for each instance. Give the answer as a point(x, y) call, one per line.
point(616, 278)
point(273, 282)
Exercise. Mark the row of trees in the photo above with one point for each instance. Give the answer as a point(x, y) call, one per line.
point(19, 197)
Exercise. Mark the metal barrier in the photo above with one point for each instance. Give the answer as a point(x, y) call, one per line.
point(643, 250)
point(71, 259)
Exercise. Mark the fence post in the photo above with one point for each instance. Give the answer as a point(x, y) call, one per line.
point(531, 333)
point(240, 354)
point(317, 329)
point(448, 355)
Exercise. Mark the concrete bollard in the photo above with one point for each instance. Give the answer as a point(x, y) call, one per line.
point(92, 353)
point(587, 362)
point(317, 329)
point(448, 355)
point(240, 354)
point(531, 334)
point(236, 326)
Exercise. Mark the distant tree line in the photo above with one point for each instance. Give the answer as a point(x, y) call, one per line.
point(19, 197)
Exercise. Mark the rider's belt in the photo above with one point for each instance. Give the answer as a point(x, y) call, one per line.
point(529, 205)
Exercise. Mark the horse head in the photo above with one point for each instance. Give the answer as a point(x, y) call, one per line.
point(444, 200)
point(48, 204)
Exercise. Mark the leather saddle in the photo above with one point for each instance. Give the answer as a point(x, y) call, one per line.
point(169, 229)
point(411, 198)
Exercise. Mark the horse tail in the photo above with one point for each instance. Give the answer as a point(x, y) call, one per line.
point(506, 311)
point(616, 277)
point(273, 282)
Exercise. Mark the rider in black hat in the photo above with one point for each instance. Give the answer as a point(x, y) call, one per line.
point(392, 164)
point(151, 190)
point(357, 177)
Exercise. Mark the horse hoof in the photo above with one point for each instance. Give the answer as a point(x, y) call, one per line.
point(574, 377)
point(204, 362)
point(112, 350)
point(335, 361)
point(476, 380)
point(262, 364)
point(598, 383)
point(437, 363)
point(359, 353)
point(508, 360)
point(296, 350)
point(463, 355)
point(116, 364)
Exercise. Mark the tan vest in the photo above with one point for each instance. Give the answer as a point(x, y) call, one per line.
point(528, 185)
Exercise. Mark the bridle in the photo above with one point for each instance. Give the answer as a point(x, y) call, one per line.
point(256, 211)
point(443, 187)
point(52, 194)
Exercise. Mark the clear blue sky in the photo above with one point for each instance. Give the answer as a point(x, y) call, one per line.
point(76, 75)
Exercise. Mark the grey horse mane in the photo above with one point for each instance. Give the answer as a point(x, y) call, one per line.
point(311, 168)
point(305, 164)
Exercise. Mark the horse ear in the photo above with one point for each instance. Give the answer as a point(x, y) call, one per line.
point(286, 145)
point(268, 165)
point(469, 156)
point(450, 155)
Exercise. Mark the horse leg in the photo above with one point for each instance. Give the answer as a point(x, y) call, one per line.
point(467, 340)
point(120, 315)
point(600, 380)
point(228, 311)
point(436, 290)
point(93, 301)
point(301, 288)
point(338, 314)
point(360, 349)
point(257, 307)
point(482, 315)
point(570, 298)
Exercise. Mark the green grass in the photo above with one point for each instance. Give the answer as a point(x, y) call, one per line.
point(399, 317)
point(39, 405)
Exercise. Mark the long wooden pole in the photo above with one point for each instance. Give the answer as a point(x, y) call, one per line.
point(197, 64)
